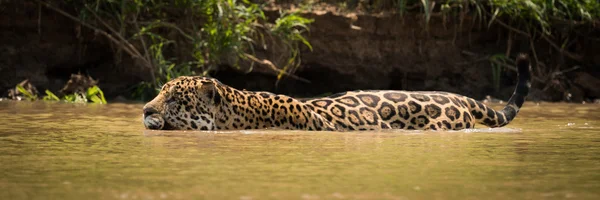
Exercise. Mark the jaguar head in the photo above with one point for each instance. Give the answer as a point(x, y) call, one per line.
point(184, 103)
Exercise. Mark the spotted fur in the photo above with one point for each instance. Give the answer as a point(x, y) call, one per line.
point(200, 103)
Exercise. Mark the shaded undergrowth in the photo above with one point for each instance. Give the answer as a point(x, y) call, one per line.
point(212, 33)
point(195, 37)
point(555, 29)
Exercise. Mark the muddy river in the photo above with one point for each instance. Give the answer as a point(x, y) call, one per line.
point(75, 151)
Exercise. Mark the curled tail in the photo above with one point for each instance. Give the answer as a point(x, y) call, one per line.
point(488, 116)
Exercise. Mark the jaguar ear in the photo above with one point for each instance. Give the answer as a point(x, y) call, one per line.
point(211, 91)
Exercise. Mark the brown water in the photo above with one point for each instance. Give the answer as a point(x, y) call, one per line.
point(68, 151)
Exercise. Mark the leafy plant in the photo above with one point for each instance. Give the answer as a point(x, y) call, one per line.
point(215, 33)
point(50, 96)
point(93, 94)
point(497, 61)
point(290, 27)
point(542, 13)
point(76, 98)
point(26, 93)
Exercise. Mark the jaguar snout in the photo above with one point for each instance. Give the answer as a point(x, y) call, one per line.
point(149, 111)
point(153, 119)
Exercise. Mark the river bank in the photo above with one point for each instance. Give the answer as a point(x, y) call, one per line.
point(350, 51)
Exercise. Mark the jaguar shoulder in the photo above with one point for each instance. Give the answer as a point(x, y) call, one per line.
point(200, 103)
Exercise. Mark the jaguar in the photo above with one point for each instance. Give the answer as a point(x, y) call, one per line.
point(202, 103)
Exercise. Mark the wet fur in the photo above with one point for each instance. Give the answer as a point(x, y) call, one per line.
point(200, 103)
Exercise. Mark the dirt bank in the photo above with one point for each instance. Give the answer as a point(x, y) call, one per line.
point(350, 51)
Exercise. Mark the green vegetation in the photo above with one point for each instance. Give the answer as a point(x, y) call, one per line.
point(530, 17)
point(542, 12)
point(50, 96)
point(171, 38)
point(28, 95)
point(559, 23)
point(498, 61)
point(93, 95)
point(213, 33)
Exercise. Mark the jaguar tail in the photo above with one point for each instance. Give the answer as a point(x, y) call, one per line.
point(488, 116)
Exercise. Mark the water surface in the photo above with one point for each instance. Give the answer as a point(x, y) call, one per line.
point(71, 151)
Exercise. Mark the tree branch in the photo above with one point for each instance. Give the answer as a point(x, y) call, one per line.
point(272, 67)
point(545, 37)
point(121, 42)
